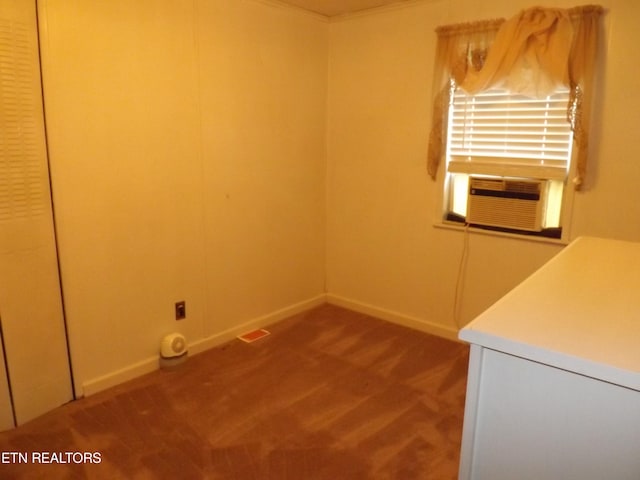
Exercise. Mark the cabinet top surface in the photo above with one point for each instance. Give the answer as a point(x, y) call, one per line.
point(579, 312)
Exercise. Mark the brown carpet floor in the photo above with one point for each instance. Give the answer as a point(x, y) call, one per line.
point(330, 394)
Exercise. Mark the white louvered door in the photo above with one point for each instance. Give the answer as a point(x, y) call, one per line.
point(33, 332)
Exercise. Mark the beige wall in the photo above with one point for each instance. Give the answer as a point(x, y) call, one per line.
point(187, 149)
point(196, 146)
point(383, 253)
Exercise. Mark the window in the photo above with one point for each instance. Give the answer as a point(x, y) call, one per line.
point(499, 135)
point(509, 136)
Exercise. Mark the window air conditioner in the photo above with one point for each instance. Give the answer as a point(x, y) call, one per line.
point(506, 203)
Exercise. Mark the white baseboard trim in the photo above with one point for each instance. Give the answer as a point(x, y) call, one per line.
point(125, 374)
point(149, 365)
point(450, 333)
point(260, 322)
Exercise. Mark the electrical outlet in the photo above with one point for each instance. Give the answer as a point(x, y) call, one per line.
point(181, 310)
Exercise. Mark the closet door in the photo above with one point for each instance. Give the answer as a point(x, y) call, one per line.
point(6, 409)
point(33, 331)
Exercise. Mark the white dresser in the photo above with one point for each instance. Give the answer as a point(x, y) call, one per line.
point(554, 376)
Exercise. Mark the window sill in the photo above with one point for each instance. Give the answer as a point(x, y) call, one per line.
point(481, 231)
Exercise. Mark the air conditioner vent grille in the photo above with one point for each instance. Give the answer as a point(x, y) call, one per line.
point(487, 184)
point(500, 185)
point(512, 204)
point(522, 186)
point(504, 212)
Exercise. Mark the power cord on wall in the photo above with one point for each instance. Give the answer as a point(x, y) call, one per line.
point(460, 278)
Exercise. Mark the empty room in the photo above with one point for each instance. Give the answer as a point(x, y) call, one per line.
point(177, 174)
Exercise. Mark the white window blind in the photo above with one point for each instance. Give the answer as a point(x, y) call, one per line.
point(499, 133)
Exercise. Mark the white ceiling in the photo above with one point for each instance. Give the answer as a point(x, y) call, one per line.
point(331, 8)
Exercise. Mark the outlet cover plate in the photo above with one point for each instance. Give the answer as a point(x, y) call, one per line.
point(181, 310)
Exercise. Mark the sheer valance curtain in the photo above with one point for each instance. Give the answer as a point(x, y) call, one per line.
point(533, 53)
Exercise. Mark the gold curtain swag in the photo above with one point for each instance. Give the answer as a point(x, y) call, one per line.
point(533, 53)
